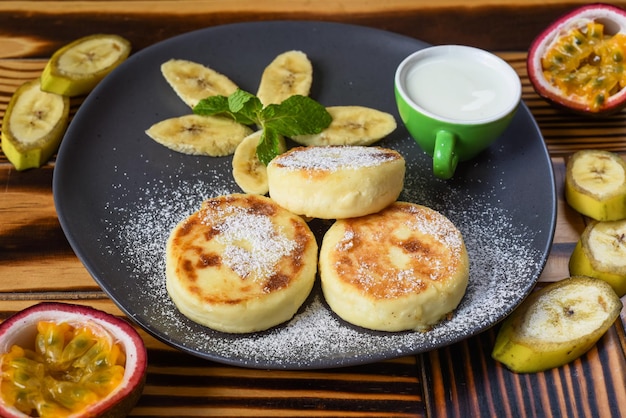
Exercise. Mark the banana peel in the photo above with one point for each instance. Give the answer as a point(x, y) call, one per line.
point(556, 324)
point(76, 68)
point(601, 253)
point(595, 184)
point(33, 125)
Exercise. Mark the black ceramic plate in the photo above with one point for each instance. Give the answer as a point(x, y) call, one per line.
point(118, 193)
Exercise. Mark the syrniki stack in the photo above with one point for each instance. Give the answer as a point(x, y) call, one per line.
point(334, 182)
point(240, 264)
point(403, 268)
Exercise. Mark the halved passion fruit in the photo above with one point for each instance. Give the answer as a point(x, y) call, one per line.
point(64, 360)
point(578, 62)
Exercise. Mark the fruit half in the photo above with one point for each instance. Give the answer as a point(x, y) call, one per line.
point(578, 61)
point(556, 324)
point(33, 125)
point(595, 184)
point(601, 253)
point(65, 360)
point(76, 68)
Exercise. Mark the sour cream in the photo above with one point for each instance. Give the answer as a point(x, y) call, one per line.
point(459, 88)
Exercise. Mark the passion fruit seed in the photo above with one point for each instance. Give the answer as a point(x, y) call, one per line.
point(587, 64)
point(69, 368)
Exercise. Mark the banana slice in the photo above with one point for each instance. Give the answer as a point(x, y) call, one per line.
point(601, 253)
point(249, 173)
point(556, 325)
point(193, 82)
point(595, 184)
point(290, 73)
point(76, 68)
point(352, 125)
point(214, 136)
point(33, 125)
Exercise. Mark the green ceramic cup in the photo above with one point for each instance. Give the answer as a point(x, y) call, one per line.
point(455, 101)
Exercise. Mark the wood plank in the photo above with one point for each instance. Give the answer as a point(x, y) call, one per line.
point(32, 243)
point(467, 382)
point(36, 28)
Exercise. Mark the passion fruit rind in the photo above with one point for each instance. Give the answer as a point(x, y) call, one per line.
point(613, 20)
point(21, 329)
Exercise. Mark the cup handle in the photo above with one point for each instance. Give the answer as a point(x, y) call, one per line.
point(445, 159)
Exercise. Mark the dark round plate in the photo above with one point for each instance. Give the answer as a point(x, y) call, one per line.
point(118, 193)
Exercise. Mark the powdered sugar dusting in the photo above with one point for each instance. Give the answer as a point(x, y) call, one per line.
point(440, 228)
point(503, 265)
point(330, 158)
point(265, 245)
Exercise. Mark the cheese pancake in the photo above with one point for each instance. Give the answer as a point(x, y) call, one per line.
point(240, 264)
point(404, 268)
point(335, 182)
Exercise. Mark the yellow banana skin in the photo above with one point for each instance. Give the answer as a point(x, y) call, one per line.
point(526, 357)
point(612, 270)
point(556, 324)
point(27, 111)
point(607, 210)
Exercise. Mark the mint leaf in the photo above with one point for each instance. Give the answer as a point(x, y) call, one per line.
point(240, 106)
point(268, 145)
point(297, 115)
point(246, 106)
point(211, 106)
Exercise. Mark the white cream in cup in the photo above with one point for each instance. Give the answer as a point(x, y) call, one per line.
point(455, 101)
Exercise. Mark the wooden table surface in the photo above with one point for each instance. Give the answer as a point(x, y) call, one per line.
point(37, 263)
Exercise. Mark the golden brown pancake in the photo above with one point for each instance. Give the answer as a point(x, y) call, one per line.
point(240, 264)
point(335, 182)
point(404, 268)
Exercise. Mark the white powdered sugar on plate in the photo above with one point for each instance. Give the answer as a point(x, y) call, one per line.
point(501, 262)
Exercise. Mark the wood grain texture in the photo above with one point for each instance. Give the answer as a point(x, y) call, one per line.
point(37, 263)
point(491, 24)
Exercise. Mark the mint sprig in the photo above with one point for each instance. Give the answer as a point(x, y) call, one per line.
point(297, 115)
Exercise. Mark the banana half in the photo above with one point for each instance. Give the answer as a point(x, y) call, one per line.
point(193, 82)
point(33, 125)
point(601, 253)
point(249, 172)
point(290, 73)
point(351, 125)
point(214, 136)
point(595, 184)
point(78, 67)
point(556, 324)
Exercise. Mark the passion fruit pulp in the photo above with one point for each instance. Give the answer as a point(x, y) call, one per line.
point(578, 62)
point(65, 360)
